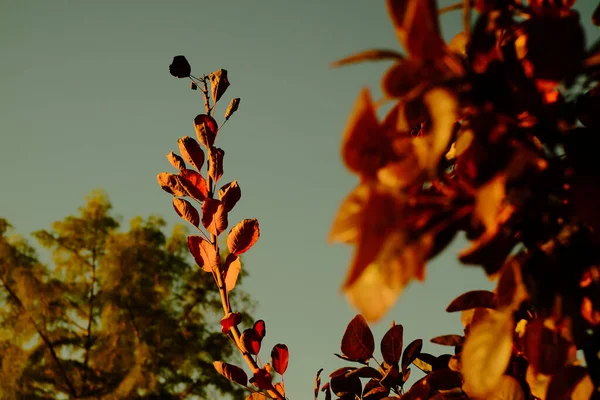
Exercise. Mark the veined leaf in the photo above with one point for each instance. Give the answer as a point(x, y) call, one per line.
point(214, 216)
point(231, 372)
point(358, 342)
point(243, 236)
point(391, 344)
point(279, 358)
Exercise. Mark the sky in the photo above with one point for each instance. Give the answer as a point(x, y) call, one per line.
point(87, 102)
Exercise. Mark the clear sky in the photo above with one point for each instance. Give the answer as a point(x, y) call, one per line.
point(87, 102)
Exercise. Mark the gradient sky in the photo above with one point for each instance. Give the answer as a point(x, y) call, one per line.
point(87, 102)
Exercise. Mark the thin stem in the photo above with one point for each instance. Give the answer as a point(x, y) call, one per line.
point(467, 18)
point(451, 7)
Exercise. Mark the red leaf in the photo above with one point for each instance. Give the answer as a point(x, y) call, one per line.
point(358, 343)
point(176, 161)
point(417, 27)
point(214, 216)
point(262, 379)
point(186, 211)
point(391, 344)
point(231, 372)
point(204, 253)
point(206, 129)
point(215, 163)
point(279, 358)
point(230, 320)
point(194, 184)
point(260, 328)
point(230, 194)
point(243, 236)
point(191, 151)
point(231, 271)
point(251, 341)
point(411, 352)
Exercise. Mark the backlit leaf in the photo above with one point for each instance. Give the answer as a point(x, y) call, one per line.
point(230, 320)
point(206, 129)
point(170, 184)
point(411, 352)
point(231, 372)
point(488, 348)
point(262, 378)
point(318, 383)
point(218, 83)
point(214, 216)
point(260, 328)
point(358, 342)
point(215, 163)
point(279, 358)
point(448, 340)
point(368, 55)
point(232, 107)
point(231, 271)
point(251, 341)
point(256, 396)
point(194, 184)
point(230, 194)
point(391, 344)
point(243, 236)
point(472, 299)
point(180, 68)
point(204, 253)
point(176, 160)
point(186, 211)
point(191, 151)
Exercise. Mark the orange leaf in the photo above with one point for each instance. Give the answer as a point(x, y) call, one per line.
point(231, 271)
point(417, 27)
point(347, 222)
point(204, 253)
point(232, 107)
point(230, 194)
point(191, 151)
point(194, 184)
point(280, 357)
point(206, 129)
point(171, 184)
point(186, 211)
point(280, 388)
point(231, 372)
point(219, 83)
point(358, 343)
point(243, 236)
point(214, 216)
point(262, 378)
point(215, 163)
point(176, 160)
point(230, 320)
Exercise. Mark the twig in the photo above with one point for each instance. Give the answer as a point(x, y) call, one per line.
point(467, 19)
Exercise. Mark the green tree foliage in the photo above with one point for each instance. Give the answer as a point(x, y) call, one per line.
point(117, 314)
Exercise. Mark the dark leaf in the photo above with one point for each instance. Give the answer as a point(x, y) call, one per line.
point(260, 328)
point(547, 351)
point(340, 356)
point(392, 376)
point(368, 55)
point(374, 390)
point(341, 384)
point(262, 379)
point(410, 353)
point(231, 372)
point(341, 371)
point(596, 16)
point(444, 379)
point(365, 372)
point(243, 236)
point(425, 362)
point(218, 83)
point(358, 342)
point(180, 68)
point(318, 383)
point(279, 358)
point(230, 320)
point(251, 341)
point(191, 151)
point(472, 299)
point(448, 340)
point(565, 382)
point(391, 344)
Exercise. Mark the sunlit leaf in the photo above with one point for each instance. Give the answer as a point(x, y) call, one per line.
point(206, 129)
point(472, 299)
point(488, 348)
point(230, 320)
point(185, 210)
point(231, 372)
point(230, 194)
point(391, 344)
point(194, 184)
point(191, 151)
point(180, 68)
point(251, 341)
point(232, 107)
point(231, 271)
point(368, 55)
point(374, 390)
point(279, 358)
point(448, 340)
point(358, 342)
point(218, 83)
point(425, 362)
point(204, 253)
point(215, 163)
point(170, 184)
point(214, 216)
point(176, 160)
point(243, 236)
point(411, 352)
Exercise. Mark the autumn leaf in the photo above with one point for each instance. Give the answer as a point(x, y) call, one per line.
point(215, 163)
point(411, 352)
point(280, 388)
point(243, 236)
point(488, 348)
point(214, 216)
point(358, 343)
point(391, 344)
point(448, 340)
point(260, 328)
point(230, 320)
point(171, 184)
point(348, 220)
point(231, 271)
point(230, 194)
point(194, 184)
point(232, 107)
point(318, 383)
point(218, 83)
point(204, 253)
point(472, 299)
point(251, 341)
point(279, 358)
point(176, 160)
point(180, 68)
point(368, 55)
point(185, 210)
point(191, 151)
point(417, 27)
point(231, 372)
point(206, 129)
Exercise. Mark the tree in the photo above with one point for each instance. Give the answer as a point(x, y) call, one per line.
point(117, 314)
